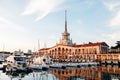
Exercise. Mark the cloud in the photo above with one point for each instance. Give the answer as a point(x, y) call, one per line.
point(8, 24)
point(3, 20)
point(41, 7)
point(114, 7)
point(114, 36)
point(111, 38)
point(79, 21)
point(115, 21)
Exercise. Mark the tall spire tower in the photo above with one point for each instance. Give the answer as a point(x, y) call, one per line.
point(65, 21)
point(65, 35)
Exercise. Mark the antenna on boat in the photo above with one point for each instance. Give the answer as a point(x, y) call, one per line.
point(38, 44)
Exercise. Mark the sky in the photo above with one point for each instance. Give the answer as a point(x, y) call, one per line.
point(24, 22)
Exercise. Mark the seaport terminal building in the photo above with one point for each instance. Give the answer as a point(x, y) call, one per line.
point(67, 50)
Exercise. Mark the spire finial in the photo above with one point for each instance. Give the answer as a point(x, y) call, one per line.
point(65, 20)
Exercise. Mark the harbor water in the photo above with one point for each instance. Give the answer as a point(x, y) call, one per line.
point(70, 73)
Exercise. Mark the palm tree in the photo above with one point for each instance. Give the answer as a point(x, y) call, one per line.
point(118, 44)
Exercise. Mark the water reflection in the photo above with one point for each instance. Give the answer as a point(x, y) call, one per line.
point(39, 75)
point(79, 73)
point(83, 73)
point(88, 73)
point(43, 76)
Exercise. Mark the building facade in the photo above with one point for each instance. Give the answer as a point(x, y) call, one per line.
point(67, 50)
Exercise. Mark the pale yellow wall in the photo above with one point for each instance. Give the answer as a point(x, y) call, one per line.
point(60, 51)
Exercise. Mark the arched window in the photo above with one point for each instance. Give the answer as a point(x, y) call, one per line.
point(59, 50)
point(66, 50)
point(83, 51)
point(79, 51)
point(63, 50)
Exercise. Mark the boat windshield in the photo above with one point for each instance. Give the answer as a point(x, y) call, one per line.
point(19, 58)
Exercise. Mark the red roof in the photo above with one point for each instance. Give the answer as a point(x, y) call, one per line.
point(84, 45)
point(44, 49)
point(90, 44)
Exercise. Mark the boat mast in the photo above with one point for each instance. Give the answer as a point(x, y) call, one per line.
point(3, 51)
point(38, 47)
point(45, 52)
point(38, 44)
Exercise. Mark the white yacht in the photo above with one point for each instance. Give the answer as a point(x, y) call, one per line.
point(43, 61)
point(17, 61)
point(58, 65)
point(35, 67)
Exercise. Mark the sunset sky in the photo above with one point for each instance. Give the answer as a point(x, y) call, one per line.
point(24, 22)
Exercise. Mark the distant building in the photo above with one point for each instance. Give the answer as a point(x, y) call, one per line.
point(29, 52)
point(66, 49)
